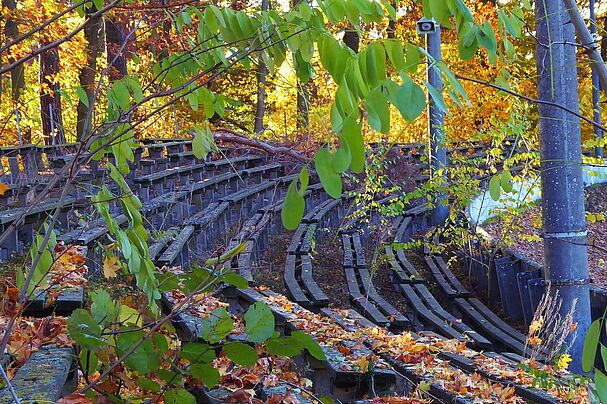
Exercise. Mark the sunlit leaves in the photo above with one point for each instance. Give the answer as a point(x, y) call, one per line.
point(294, 204)
point(330, 179)
point(203, 142)
point(378, 111)
point(409, 99)
point(352, 133)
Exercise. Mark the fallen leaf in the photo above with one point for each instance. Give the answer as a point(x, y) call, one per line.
point(110, 267)
point(3, 188)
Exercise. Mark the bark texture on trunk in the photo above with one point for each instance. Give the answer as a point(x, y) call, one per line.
point(50, 98)
point(11, 32)
point(115, 35)
point(260, 107)
point(93, 33)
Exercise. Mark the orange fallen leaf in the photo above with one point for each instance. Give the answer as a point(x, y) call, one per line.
point(3, 188)
point(110, 267)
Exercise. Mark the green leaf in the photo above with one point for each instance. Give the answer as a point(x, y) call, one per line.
point(329, 178)
point(293, 207)
point(85, 330)
point(396, 53)
point(495, 187)
point(179, 396)
point(144, 359)
point(241, 354)
point(82, 96)
point(310, 344)
point(591, 343)
point(197, 353)
point(121, 94)
point(217, 326)
point(103, 308)
point(148, 385)
point(342, 157)
point(600, 383)
point(205, 372)
point(413, 58)
point(378, 112)
point(284, 346)
point(236, 280)
point(506, 181)
point(89, 361)
point(486, 37)
point(352, 133)
point(410, 99)
point(259, 322)
point(437, 97)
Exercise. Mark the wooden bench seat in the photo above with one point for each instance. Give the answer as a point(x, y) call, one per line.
point(177, 250)
point(432, 314)
point(331, 375)
point(445, 279)
point(10, 215)
point(232, 163)
point(42, 378)
point(402, 270)
point(299, 280)
point(268, 170)
point(69, 300)
point(492, 326)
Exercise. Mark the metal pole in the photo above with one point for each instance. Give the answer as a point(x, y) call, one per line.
point(564, 223)
point(596, 106)
point(436, 124)
point(18, 122)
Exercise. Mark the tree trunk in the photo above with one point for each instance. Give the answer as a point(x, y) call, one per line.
point(93, 33)
point(564, 224)
point(11, 31)
point(262, 70)
point(303, 100)
point(115, 34)
point(50, 98)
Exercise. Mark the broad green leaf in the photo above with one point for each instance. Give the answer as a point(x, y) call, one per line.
point(217, 326)
point(310, 344)
point(82, 96)
point(85, 330)
point(103, 309)
point(144, 359)
point(236, 280)
point(342, 157)
point(378, 112)
point(437, 97)
point(89, 361)
point(413, 58)
point(205, 372)
point(241, 354)
point(179, 396)
point(352, 134)
point(148, 385)
point(329, 178)
point(284, 346)
point(600, 384)
point(396, 53)
point(121, 93)
point(410, 99)
point(506, 181)
point(591, 343)
point(197, 353)
point(495, 187)
point(293, 207)
point(259, 322)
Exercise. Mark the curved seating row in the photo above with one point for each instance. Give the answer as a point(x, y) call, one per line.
point(298, 274)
